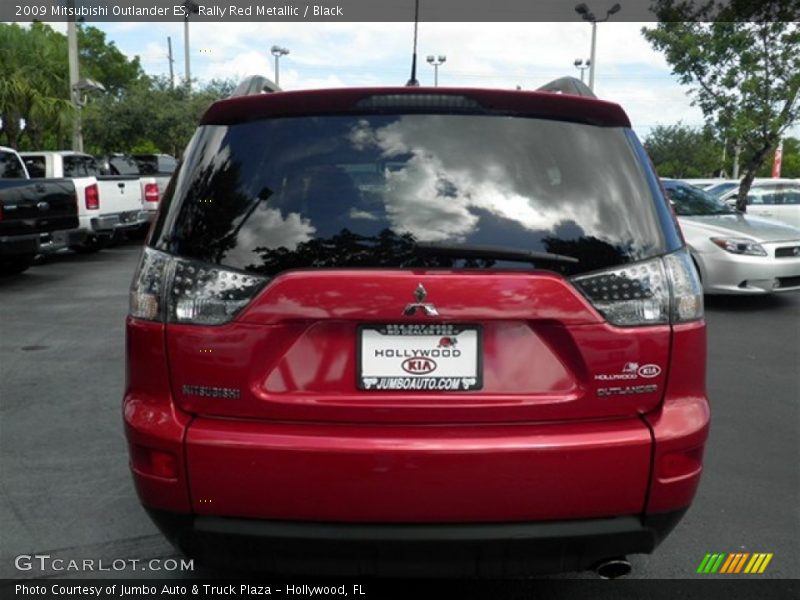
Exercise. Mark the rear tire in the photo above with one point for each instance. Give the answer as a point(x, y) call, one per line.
point(14, 265)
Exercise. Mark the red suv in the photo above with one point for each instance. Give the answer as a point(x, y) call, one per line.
point(411, 330)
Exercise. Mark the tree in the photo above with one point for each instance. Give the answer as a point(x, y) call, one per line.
point(34, 88)
point(681, 151)
point(149, 116)
point(34, 81)
point(744, 70)
point(102, 61)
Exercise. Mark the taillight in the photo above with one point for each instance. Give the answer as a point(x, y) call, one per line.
point(92, 197)
point(656, 291)
point(177, 290)
point(151, 192)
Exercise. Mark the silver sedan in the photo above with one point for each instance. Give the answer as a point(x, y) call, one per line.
point(735, 253)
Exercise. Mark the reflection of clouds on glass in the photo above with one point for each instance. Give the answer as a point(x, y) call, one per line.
point(420, 202)
point(267, 228)
point(536, 173)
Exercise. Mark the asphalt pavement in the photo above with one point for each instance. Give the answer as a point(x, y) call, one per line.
point(64, 483)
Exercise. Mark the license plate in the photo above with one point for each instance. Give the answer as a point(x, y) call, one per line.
point(419, 357)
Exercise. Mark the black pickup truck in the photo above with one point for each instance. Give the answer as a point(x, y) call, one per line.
point(28, 209)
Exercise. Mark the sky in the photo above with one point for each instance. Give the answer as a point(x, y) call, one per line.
point(505, 55)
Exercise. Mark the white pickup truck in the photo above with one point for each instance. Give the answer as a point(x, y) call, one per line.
point(152, 181)
point(108, 204)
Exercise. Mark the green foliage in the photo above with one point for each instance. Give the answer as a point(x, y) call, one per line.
point(743, 69)
point(137, 114)
point(148, 114)
point(102, 61)
point(34, 81)
point(790, 164)
point(32, 87)
point(682, 152)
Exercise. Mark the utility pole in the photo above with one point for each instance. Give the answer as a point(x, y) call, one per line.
point(72, 48)
point(171, 61)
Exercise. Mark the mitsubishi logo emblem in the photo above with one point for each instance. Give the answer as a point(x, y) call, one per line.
point(426, 308)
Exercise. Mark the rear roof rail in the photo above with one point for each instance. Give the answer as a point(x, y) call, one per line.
point(568, 85)
point(255, 84)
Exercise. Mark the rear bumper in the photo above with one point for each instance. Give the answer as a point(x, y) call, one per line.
point(56, 240)
point(148, 216)
point(489, 550)
point(107, 223)
point(19, 244)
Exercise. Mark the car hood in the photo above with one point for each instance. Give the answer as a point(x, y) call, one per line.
point(739, 225)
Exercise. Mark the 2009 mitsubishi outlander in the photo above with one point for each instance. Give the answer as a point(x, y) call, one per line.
point(412, 330)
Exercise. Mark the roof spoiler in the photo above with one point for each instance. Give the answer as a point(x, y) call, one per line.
point(568, 85)
point(255, 84)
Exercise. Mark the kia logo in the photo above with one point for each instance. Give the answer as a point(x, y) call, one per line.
point(649, 371)
point(419, 366)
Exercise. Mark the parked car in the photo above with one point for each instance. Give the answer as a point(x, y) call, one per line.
point(30, 209)
point(486, 356)
point(151, 182)
point(724, 186)
point(112, 204)
point(735, 253)
point(704, 184)
point(777, 199)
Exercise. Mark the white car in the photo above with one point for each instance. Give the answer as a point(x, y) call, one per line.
point(777, 199)
point(735, 253)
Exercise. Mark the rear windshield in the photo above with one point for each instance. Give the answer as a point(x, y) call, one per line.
point(80, 166)
point(154, 164)
point(368, 191)
point(10, 166)
point(689, 201)
point(118, 165)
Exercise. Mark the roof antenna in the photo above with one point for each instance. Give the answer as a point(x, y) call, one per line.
point(413, 81)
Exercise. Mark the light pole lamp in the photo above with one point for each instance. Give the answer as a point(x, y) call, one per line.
point(80, 90)
point(589, 16)
point(582, 64)
point(189, 7)
point(277, 52)
point(436, 62)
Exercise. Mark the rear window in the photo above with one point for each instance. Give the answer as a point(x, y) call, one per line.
point(80, 166)
point(368, 191)
point(155, 164)
point(36, 165)
point(10, 166)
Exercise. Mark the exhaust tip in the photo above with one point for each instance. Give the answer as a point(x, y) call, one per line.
point(613, 568)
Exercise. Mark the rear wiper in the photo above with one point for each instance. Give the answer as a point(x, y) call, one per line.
point(493, 252)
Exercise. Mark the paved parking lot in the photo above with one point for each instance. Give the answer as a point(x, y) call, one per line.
point(65, 488)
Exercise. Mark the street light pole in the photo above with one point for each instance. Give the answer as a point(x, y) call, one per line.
point(277, 52)
point(588, 15)
point(436, 62)
point(582, 65)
